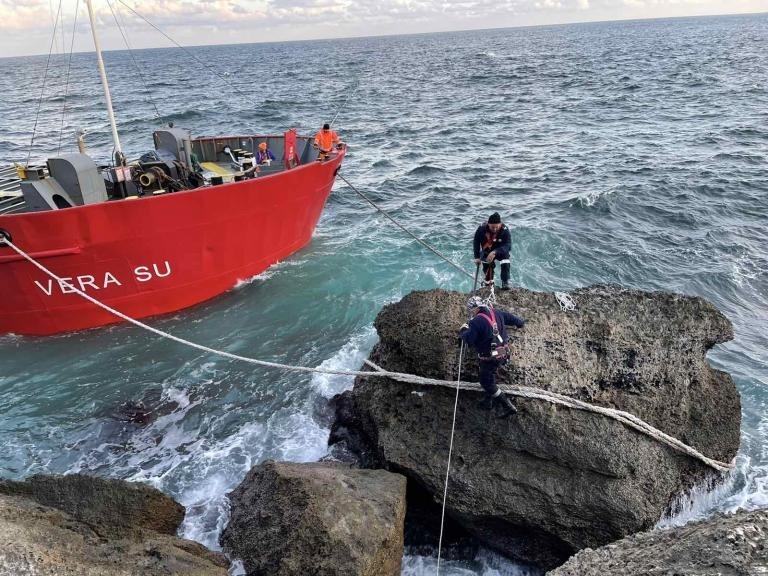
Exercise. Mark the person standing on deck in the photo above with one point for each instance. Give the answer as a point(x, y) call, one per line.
point(492, 244)
point(486, 332)
point(325, 140)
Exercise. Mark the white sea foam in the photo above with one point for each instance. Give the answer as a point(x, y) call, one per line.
point(237, 569)
point(289, 435)
point(591, 197)
point(350, 357)
point(745, 488)
point(268, 273)
point(486, 563)
point(746, 268)
point(181, 454)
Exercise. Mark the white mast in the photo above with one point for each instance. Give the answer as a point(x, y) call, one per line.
point(119, 158)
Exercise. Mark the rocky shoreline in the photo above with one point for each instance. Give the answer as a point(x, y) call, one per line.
point(567, 490)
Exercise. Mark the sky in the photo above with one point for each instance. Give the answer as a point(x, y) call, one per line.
point(26, 25)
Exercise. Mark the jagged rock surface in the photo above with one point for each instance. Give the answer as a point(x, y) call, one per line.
point(551, 480)
point(74, 534)
point(725, 545)
point(325, 519)
point(112, 508)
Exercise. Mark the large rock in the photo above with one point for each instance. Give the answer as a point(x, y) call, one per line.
point(325, 519)
point(734, 545)
point(45, 541)
point(111, 508)
point(551, 480)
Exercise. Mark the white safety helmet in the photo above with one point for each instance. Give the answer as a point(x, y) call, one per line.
point(475, 302)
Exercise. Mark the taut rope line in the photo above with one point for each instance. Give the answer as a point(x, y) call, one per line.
point(404, 229)
point(450, 445)
point(629, 420)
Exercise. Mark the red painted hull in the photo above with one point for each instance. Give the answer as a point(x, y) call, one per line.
point(155, 255)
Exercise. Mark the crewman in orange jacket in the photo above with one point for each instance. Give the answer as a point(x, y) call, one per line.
point(326, 139)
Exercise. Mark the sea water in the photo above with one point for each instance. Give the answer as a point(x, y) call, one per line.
point(630, 152)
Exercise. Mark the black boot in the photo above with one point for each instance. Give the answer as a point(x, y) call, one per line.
point(507, 408)
point(505, 276)
point(486, 403)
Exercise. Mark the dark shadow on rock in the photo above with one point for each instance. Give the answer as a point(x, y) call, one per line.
point(422, 529)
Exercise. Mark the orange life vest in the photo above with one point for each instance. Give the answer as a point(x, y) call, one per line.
point(326, 139)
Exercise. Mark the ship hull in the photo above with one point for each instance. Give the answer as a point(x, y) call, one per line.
point(150, 256)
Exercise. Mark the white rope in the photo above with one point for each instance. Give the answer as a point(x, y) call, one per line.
point(565, 301)
point(629, 420)
point(448, 466)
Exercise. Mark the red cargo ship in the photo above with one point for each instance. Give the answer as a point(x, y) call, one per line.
point(184, 223)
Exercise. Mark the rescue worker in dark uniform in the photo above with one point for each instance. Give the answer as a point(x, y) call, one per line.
point(486, 332)
point(492, 244)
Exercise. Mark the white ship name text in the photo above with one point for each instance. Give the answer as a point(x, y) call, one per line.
point(90, 283)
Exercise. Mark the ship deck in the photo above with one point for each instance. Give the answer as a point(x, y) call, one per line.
point(11, 199)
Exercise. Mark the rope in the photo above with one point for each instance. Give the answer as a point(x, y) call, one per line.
point(69, 68)
point(42, 88)
point(343, 104)
point(450, 445)
point(133, 59)
point(191, 54)
point(404, 229)
point(629, 420)
point(565, 301)
point(448, 466)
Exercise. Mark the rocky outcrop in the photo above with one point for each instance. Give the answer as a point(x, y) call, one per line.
point(76, 525)
point(325, 519)
point(551, 480)
point(725, 545)
point(111, 508)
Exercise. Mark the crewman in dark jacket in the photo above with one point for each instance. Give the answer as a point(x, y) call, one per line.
point(492, 244)
point(486, 332)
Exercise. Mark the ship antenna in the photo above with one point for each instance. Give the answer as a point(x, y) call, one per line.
point(119, 158)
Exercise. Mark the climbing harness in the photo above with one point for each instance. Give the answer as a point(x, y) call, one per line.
point(498, 348)
point(565, 301)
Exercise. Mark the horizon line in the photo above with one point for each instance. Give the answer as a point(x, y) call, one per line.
point(448, 31)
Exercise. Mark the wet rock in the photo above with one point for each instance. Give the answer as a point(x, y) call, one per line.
point(46, 541)
point(734, 544)
point(551, 480)
point(134, 412)
point(325, 519)
point(145, 410)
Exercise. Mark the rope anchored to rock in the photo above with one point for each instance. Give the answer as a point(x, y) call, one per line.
point(629, 420)
point(565, 301)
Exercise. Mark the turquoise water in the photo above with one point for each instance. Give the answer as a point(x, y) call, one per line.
point(631, 152)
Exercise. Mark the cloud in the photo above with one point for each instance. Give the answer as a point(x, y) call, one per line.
point(24, 24)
